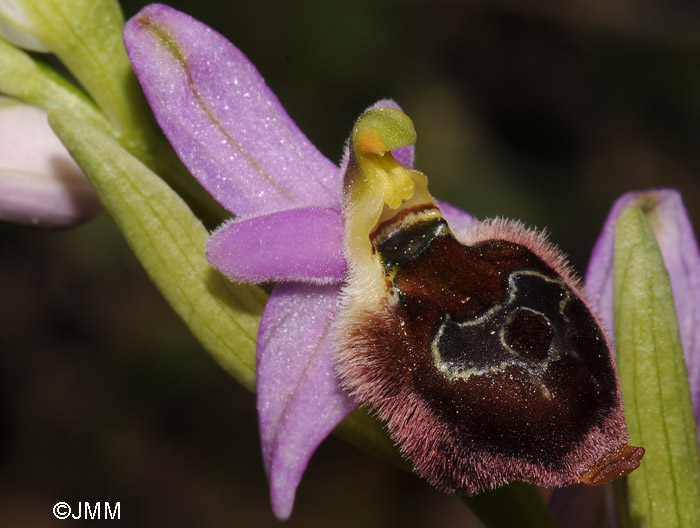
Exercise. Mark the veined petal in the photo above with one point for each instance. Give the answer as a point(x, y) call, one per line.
point(40, 184)
point(599, 276)
point(299, 396)
point(294, 245)
point(674, 234)
point(224, 122)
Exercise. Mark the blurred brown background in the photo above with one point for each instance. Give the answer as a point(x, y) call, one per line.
point(543, 111)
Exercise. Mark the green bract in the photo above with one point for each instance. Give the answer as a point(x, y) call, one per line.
point(26, 78)
point(169, 241)
point(665, 491)
point(86, 36)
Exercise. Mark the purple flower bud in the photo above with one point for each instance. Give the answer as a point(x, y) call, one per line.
point(674, 233)
point(40, 184)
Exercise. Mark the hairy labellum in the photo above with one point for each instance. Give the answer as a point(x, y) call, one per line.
point(479, 353)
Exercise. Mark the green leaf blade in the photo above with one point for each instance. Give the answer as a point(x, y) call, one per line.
point(86, 36)
point(26, 78)
point(169, 241)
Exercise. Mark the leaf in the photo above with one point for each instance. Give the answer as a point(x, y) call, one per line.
point(169, 241)
point(29, 79)
point(86, 37)
point(665, 491)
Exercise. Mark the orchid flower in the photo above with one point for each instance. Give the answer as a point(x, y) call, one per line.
point(292, 208)
point(239, 143)
point(40, 184)
point(247, 152)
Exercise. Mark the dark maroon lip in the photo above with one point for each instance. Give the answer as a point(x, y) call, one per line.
point(486, 363)
point(513, 348)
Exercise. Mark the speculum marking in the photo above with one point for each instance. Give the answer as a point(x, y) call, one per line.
point(528, 331)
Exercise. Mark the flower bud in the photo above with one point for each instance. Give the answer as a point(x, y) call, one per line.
point(40, 184)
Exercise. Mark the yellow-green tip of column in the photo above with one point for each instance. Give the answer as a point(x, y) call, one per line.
point(373, 170)
point(381, 130)
point(376, 186)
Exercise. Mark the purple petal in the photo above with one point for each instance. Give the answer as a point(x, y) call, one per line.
point(293, 245)
point(224, 122)
point(299, 397)
point(599, 276)
point(458, 220)
point(679, 248)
